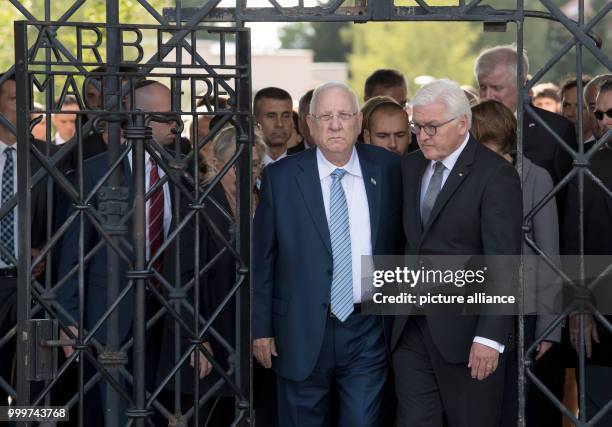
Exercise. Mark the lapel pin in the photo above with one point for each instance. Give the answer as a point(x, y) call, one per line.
point(373, 181)
point(460, 173)
point(531, 125)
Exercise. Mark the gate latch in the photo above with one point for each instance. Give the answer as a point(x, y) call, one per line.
point(41, 359)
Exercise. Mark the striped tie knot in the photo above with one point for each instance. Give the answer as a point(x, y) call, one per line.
point(338, 174)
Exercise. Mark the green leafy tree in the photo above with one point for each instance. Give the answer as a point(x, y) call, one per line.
point(324, 38)
point(415, 48)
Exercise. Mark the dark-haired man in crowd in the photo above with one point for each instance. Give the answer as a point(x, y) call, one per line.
point(273, 109)
point(569, 109)
point(387, 82)
point(307, 140)
point(387, 126)
point(65, 122)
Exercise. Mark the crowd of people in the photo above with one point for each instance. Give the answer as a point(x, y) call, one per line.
point(434, 174)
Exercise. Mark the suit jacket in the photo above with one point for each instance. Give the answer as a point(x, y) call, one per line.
point(296, 148)
point(542, 148)
point(38, 226)
point(292, 256)
point(597, 241)
point(96, 269)
point(216, 283)
point(477, 212)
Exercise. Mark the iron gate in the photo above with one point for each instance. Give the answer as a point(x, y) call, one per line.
point(112, 349)
point(43, 60)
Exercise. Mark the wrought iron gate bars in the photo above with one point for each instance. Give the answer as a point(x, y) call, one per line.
point(363, 11)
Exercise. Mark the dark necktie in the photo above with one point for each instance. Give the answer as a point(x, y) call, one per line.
point(433, 189)
point(156, 216)
point(7, 224)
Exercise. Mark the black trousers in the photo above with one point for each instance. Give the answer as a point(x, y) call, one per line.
point(432, 392)
point(8, 319)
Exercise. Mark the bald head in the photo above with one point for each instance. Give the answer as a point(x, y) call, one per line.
point(154, 97)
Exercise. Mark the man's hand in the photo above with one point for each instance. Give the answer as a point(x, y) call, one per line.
point(263, 350)
point(542, 348)
point(590, 332)
point(483, 360)
point(205, 365)
point(63, 336)
point(40, 267)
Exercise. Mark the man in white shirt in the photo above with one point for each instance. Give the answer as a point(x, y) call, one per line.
point(65, 122)
point(149, 97)
point(460, 199)
point(319, 211)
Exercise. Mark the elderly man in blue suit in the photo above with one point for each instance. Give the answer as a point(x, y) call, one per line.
point(319, 212)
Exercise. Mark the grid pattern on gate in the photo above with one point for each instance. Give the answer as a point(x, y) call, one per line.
point(50, 65)
point(185, 21)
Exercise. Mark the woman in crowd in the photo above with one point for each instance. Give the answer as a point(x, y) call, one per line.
point(216, 231)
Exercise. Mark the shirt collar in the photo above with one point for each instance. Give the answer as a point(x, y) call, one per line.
point(267, 159)
point(451, 159)
point(326, 167)
point(58, 139)
point(4, 146)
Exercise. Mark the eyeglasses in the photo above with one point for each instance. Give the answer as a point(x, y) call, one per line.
point(343, 116)
point(429, 129)
point(599, 115)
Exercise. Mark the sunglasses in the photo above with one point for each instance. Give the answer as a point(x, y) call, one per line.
point(599, 115)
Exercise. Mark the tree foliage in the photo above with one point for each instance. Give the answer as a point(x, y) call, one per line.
point(324, 38)
point(415, 48)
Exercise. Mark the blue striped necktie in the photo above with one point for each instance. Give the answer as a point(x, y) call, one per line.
point(7, 223)
point(340, 234)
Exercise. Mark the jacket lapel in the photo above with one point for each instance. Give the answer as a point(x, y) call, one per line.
point(309, 184)
point(372, 180)
point(455, 178)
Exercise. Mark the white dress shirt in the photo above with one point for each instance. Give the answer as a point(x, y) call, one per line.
point(167, 199)
point(358, 210)
point(449, 163)
point(268, 160)
point(3, 147)
point(58, 139)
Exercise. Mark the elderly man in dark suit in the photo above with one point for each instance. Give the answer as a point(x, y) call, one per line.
point(496, 72)
point(460, 199)
point(319, 212)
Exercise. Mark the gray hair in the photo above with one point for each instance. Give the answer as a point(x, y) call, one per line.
point(447, 92)
point(505, 55)
point(595, 83)
point(224, 144)
point(329, 86)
